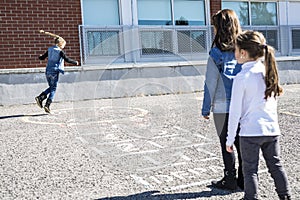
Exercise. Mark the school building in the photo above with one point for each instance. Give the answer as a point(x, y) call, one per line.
point(122, 44)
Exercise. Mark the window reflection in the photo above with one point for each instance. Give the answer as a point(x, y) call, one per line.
point(263, 13)
point(189, 12)
point(154, 12)
point(159, 12)
point(241, 9)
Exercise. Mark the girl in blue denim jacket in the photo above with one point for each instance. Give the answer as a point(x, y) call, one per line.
point(55, 65)
point(221, 69)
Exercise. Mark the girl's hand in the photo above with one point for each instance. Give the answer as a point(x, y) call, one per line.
point(229, 149)
point(206, 117)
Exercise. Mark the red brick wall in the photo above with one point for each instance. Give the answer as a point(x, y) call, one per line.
point(20, 21)
point(215, 6)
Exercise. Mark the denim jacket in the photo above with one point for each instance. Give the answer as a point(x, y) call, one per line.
point(55, 61)
point(221, 69)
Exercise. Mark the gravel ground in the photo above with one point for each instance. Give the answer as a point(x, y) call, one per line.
point(147, 147)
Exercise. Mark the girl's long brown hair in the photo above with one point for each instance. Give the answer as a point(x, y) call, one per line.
point(255, 44)
point(227, 27)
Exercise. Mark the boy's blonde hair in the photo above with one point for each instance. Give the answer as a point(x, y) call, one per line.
point(59, 41)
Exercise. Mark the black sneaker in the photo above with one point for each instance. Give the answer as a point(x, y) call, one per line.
point(224, 184)
point(39, 102)
point(47, 109)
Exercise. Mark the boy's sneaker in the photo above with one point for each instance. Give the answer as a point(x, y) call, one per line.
point(39, 101)
point(47, 105)
point(47, 109)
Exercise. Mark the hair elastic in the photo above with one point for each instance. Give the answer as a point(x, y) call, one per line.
point(265, 46)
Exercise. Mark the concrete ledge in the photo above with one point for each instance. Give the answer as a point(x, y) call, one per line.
point(20, 86)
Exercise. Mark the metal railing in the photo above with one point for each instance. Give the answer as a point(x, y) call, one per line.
point(100, 45)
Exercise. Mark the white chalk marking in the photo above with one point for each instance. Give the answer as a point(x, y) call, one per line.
point(186, 158)
point(98, 151)
point(204, 151)
point(289, 113)
point(165, 178)
point(194, 172)
point(155, 180)
point(139, 152)
point(152, 160)
point(141, 181)
point(116, 142)
point(201, 136)
point(74, 122)
point(179, 187)
point(155, 144)
point(166, 136)
point(179, 174)
point(202, 170)
point(84, 141)
point(127, 147)
point(178, 164)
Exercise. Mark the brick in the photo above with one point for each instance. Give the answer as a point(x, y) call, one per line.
point(20, 22)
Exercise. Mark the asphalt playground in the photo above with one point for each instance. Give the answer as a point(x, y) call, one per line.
point(143, 147)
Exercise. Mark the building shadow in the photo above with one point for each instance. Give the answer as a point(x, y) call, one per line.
point(17, 116)
point(154, 195)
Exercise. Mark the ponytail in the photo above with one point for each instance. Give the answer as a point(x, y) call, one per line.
point(271, 78)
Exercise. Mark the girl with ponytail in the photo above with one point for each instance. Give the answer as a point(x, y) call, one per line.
point(254, 106)
point(55, 65)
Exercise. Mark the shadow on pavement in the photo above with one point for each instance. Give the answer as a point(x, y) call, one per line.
point(16, 116)
point(153, 195)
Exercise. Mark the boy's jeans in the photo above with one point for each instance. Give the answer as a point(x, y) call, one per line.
point(52, 79)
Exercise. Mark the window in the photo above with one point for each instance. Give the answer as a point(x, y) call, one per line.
point(191, 41)
point(156, 42)
point(189, 12)
point(296, 39)
point(262, 16)
point(154, 12)
point(100, 12)
point(103, 43)
point(241, 9)
point(262, 13)
point(293, 9)
point(171, 12)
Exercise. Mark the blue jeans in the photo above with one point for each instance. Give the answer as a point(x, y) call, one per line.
point(269, 146)
point(52, 79)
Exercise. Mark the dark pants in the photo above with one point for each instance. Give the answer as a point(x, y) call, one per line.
point(221, 124)
point(269, 146)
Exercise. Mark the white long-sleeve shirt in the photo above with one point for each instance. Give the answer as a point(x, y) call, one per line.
point(256, 115)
